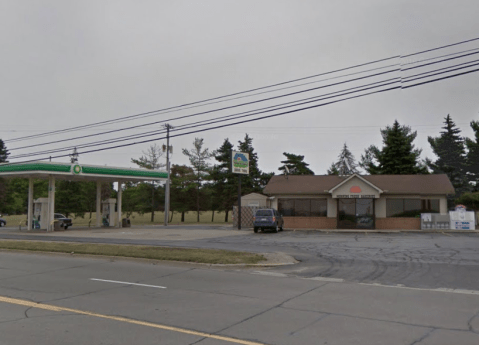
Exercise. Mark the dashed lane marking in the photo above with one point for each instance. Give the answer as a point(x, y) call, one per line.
point(126, 320)
point(326, 279)
point(128, 283)
point(458, 291)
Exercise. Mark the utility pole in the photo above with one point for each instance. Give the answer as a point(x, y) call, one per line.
point(167, 186)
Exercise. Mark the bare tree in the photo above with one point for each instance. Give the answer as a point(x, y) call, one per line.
point(151, 159)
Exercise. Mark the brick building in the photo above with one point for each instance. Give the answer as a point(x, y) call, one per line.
point(357, 201)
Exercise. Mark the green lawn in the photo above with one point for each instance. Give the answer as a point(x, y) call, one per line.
point(207, 256)
point(135, 219)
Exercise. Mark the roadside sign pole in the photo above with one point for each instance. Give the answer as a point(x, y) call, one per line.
point(239, 165)
point(167, 185)
point(239, 201)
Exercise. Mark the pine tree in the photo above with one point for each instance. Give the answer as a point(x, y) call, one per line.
point(346, 164)
point(3, 184)
point(449, 147)
point(254, 182)
point(333, 170)
point(3, 152)
point(472, 157)
point(295, 164)
point(224, 182)
point(397, 156)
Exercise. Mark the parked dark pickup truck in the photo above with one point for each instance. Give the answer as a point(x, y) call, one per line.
point(64, 221)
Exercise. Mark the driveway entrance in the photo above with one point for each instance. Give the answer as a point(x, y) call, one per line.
point(356, 214)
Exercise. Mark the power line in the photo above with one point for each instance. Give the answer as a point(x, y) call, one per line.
point(287, 112)
point(278, 107)
point(233, 94)
point(257, 101)
point(199, 102)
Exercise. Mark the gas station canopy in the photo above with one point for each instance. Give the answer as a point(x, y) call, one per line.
point(75, 172)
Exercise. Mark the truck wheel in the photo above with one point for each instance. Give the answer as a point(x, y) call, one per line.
point(66, 227)
point(255, 229)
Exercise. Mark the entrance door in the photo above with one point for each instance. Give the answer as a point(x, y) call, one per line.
point(355, 213)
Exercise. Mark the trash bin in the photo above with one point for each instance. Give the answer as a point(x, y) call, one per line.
point(125, 223)
point(56, 225)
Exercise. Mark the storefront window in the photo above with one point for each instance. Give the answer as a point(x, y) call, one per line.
point(286, 207)
point(303, 207)
point(319, 208)
point(411, 207)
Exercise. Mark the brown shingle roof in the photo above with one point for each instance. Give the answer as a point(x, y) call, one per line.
point(390, 184)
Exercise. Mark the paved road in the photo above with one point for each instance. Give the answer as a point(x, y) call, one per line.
point(429, 260)
point(64, 299)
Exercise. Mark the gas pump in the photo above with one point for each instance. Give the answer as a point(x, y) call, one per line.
point(108, 212)
point(40, 214)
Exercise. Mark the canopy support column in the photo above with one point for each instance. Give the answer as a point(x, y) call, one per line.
point(30, 204)
point(98, 204)
point(120, 192)
point(51, 203)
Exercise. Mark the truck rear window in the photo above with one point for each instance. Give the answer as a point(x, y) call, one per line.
point(264, 213)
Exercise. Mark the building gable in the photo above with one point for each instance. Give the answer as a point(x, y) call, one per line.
point(355, 187)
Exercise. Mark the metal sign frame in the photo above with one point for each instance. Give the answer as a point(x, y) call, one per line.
point(239, 162)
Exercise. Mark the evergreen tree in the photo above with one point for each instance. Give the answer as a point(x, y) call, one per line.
point(4, 202)
point(3, 152)
point(397, 156)
point(472, 157)
point(333, 170)
point(198, 159)
point(296, 165)
point(449, 147)
point(256, 180)
point(346, 163)
point(224, 182)
point(470, 200)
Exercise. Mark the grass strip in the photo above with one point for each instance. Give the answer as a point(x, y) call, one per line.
point(206, 256)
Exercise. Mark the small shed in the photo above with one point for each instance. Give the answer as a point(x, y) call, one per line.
point(255, 199)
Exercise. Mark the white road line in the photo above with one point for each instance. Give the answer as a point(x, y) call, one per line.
point(326, 279)
point(459, 291)
point(127, 283)
point(271, 274)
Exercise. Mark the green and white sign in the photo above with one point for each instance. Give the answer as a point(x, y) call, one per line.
point(239, 162)
point(76, 169)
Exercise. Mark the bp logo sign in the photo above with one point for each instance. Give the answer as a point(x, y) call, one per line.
point(76, 169)
point(240, 162)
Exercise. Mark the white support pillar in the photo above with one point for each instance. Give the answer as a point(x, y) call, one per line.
point(51, 202)
point(30, 204)
point(98, 204)
point(119, 200)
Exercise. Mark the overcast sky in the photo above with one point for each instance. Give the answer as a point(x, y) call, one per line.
point(71, 63)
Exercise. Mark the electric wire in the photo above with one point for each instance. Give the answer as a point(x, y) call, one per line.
point(207, 122)
point(237, 93)
point(202, 113)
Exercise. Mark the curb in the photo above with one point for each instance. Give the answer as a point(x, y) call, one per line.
point(387, 231)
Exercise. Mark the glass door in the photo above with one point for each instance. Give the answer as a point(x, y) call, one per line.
point(346, 213)
point(365, 213)
point(355, 213)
